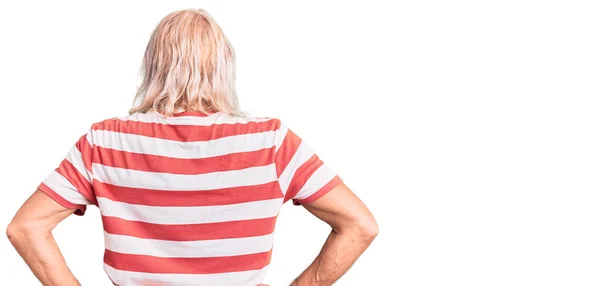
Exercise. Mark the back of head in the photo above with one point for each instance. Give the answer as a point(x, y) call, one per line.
point(188, 65)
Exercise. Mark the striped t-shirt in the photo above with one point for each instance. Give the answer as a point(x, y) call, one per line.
point(190, 199)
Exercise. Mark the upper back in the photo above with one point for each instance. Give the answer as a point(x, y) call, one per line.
point(191, 194)
point(190, 199)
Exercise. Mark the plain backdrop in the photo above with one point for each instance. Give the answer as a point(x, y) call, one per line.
point(470, 128)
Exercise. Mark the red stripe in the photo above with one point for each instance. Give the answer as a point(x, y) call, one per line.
point(166, 198)
point(190, 232)
point(288, 148)
point(86, 151)
point(205, 265)
point(162, 164)
point(185, 133)
point(321, 192)
point(80, 209)
point(302, 175)
point(192, 113)
point(69, 172)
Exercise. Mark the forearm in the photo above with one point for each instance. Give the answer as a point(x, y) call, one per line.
point(339, 252)
point(42, 255)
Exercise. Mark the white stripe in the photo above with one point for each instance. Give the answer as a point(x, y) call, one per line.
point(89, 138)
point(184, 150)
point(317, 180)
point(302, 155)
point(74, 157)
point(280, 136)
point(217, 118)
point(61, 186)
point(202, 248)
point(120, 277)
point(178, 182)
point(190, 215)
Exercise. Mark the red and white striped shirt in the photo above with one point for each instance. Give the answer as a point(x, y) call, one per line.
point(190, 199)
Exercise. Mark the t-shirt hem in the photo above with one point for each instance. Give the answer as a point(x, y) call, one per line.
point(79, 209)
point(321, 192)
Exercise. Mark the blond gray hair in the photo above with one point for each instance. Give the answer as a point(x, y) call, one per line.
point(188, 65)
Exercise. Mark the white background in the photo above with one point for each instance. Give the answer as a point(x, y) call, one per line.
point(470, 128)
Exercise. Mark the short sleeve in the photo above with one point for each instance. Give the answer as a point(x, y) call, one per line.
point(303, 177)
point(70, 184)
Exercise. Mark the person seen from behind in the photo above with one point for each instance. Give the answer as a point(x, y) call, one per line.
point(188, 187)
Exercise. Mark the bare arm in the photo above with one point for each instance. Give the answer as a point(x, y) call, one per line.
point(30, 232)
point(353, 230)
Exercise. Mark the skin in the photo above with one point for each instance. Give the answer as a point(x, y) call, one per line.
point(30, 232)
point(353, 230)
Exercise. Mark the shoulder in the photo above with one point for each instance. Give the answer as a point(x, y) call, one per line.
point(263, 123)
point(125, 119)
point(260, 122)
point(113, 123)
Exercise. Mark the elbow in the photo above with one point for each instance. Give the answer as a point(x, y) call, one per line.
point(365, 230)
point(362, 229)
point(13, 232)
point(369, 230)
point(20, 231)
